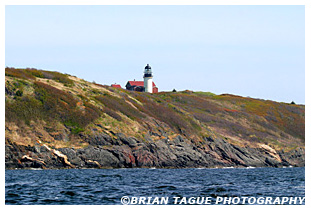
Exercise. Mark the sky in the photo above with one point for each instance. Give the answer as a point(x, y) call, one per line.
point(252, 51)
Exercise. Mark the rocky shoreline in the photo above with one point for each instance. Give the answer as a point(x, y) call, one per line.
point(129, 152)
point(55, 120)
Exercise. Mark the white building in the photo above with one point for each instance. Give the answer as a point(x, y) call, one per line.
point(148, 79)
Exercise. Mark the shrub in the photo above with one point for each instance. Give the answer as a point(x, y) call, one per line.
point(23, 109)
point(31, 74)
point(169, 115)
point(20, 73)
point(205, 94)
point(112, 114)
point(51, 104)
point(35, 72)
point(119, 104)
point(19, 93)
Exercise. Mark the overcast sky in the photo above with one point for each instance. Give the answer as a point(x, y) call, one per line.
point(255, 51)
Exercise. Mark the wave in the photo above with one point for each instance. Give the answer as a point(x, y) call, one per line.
point(250, 167)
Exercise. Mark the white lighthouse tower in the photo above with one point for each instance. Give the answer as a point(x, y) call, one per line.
point(148, 79)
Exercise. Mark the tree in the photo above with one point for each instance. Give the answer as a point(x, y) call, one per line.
point(174, 90)
point(292, 102)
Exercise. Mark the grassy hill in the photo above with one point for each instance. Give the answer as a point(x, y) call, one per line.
point(59, 109)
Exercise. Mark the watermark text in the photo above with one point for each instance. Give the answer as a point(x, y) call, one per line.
point(132, 200)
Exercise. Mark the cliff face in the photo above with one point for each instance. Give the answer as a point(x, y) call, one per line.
point(55, 120)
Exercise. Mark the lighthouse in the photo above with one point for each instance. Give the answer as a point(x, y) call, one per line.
point(143, 86)
point(148, 79)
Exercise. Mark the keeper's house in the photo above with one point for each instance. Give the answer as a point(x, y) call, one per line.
point(139, 86)
point(143, 86)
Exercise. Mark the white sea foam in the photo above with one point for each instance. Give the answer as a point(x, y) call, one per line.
point(228, 167)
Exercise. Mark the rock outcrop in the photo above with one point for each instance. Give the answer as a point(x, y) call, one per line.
point(177, 153)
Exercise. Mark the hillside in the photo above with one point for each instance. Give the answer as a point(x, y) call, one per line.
point(55, 120)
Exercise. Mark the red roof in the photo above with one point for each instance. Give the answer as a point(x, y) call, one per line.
point(116, 86)
point(139, 83)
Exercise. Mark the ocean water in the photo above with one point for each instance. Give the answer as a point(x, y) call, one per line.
point(108, 186)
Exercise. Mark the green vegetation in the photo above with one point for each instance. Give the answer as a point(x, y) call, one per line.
point(50, 104)
point(31, 96)
point(119, 105)
point(205, 93)
point(31, 74)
